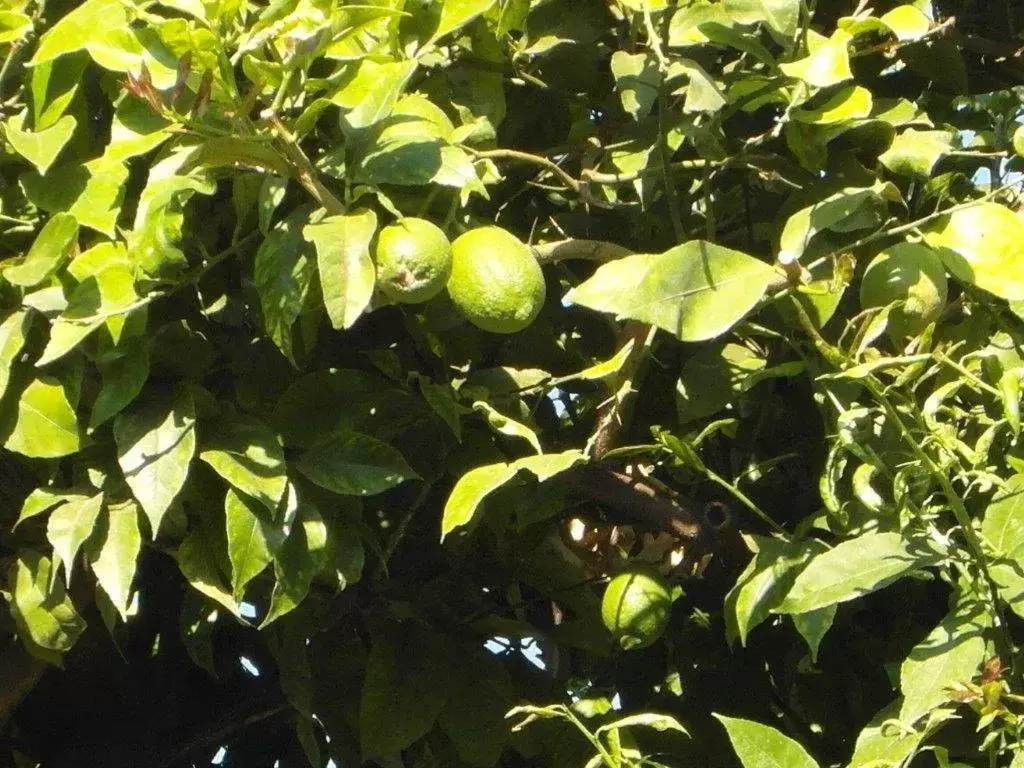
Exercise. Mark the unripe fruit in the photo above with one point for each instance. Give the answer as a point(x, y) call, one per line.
point(913, 274)
point(636, 608)
point(1018, 140)
point(496, 282)
point(414, 260)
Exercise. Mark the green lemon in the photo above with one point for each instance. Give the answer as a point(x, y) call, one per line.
point(1018, 140)
point(414, 259)
point(636, 608)
point(496, 282)
point(910, 273)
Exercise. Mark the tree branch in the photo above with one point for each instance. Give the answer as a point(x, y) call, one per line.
point(642, 501)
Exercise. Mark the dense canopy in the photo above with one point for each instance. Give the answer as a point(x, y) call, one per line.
point(255, 511)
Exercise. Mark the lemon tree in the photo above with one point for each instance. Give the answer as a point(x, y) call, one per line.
point(511, 383)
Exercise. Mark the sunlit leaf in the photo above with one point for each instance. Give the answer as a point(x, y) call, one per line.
point(347, 275)
point(696, 291)
point(113, 552)
point(46, 425)
point(155, 444)
point(761, 746)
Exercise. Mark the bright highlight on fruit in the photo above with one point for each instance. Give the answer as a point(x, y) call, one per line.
point(913, 274)
point(495, 282)
point(414, 260)
point(636, 608)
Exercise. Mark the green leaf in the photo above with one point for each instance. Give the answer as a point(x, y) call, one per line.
point(697, 290)
point(14, 26)
point(703, 94)
point(813, 626)
point(156, 441)
point(847, 210)
point(504, 425)
point(354, 464)
point(916, 153)
point(198, 564)
point(41, 147)
point(92, 192)
point(646, 720)
point(113, 552)
point(123, 379)
point(53, 85)
point(252, 537)
point(442, 401)
point(711, 377)
point(42, 500)
point(247, 453)
point(1003, 528)
point(79, 29)
point(458, 13)
point(983, 245)
point(12, 341)
point(342, 399)
point(46, 425)
point(474, 486)
point(347, 275)
point(827, 64)
point(371, 89)
point(135, 130)
point(950, 654)
point(469, 493)
point(764, 583)
point(283, 273)
point(854, 568)
point(48, 253)
point(302, 556)
point(154, 238)
point(688, 22)
point(410, 147)
point(851, 103)
point(408, 674)
point(781, 16)
point(906, 22)
point(637, 79)
point(879, 745)
point(99, 300)
point(40, 605)
point(70, 525)
point(761, 746)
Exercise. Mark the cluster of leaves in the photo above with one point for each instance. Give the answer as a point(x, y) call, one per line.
point(250, 504)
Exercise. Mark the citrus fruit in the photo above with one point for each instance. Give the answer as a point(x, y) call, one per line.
point(1018, 140)
point(496, 282)
point(910, 273)
point(636, 608)
point(414, 259)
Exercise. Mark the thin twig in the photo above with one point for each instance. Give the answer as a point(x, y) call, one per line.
point(306, 172)
point(526, 157)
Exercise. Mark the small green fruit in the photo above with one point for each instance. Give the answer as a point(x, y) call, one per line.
point(636, 608)
point(496, 282)
point(1018, 140)
point(414, 260)
point(910, 273)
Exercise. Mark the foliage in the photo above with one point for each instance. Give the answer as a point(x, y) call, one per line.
point(249, 502)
